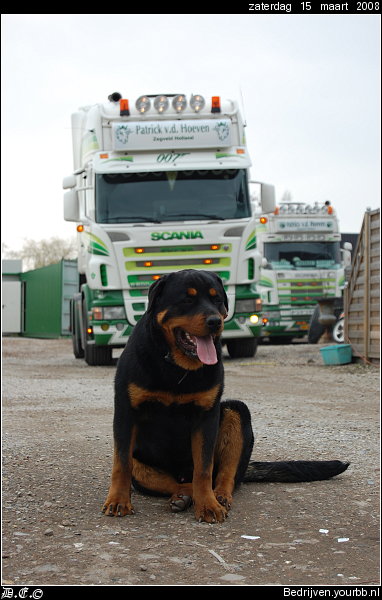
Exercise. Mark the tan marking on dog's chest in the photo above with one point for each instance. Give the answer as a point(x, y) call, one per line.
point(204, 399)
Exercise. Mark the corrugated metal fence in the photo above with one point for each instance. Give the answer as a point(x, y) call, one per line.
point(362, 295)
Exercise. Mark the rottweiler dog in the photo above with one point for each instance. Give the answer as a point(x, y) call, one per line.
point(172, 434)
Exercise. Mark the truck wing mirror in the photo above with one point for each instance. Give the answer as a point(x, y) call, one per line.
point(71, 208)
point(69, 182)
point(268, 198)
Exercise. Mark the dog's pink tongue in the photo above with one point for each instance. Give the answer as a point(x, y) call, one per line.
point(206, 350)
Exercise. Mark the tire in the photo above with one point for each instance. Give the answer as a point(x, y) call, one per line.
point(242, 348)
point(338, 331)
point(98, 356)
point(78, 350)
point(316, 330)
point(95, 356)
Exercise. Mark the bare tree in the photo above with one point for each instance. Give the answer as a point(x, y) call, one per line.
point(7, 252)
point(36, 254)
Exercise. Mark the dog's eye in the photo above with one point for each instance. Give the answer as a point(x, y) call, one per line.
point(187, 300)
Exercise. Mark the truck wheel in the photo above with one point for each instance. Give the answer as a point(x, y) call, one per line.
point(78, 350)
point(316, 330)
point(95, 355)
point(242, 348)
point(338, 331)
point(98, 356)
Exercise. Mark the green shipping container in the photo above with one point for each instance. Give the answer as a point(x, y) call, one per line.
point(45, 297)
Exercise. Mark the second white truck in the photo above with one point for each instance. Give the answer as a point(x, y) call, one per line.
point(302, 262)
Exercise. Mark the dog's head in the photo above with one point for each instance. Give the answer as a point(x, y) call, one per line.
point(189, 307)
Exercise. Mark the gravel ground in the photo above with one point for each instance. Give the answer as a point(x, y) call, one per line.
point(57, 458)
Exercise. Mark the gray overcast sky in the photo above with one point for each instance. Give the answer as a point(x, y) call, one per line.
point(310, 84)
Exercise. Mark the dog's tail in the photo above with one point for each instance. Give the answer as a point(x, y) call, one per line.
point(294, 471)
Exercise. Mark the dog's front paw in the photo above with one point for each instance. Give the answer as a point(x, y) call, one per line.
point(223, 497)
point(118, 506)
point(210, 511)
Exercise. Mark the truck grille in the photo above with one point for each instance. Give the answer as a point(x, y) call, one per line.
point(147, 263)
point(305, 291)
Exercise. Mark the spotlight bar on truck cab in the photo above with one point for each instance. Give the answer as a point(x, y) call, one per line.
point(300, 208)
point(161, 103)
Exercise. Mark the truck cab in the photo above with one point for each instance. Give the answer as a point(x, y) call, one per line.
point(161, 184)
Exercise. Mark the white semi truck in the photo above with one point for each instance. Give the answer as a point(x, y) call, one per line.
point(302, 262)
point(160, 184)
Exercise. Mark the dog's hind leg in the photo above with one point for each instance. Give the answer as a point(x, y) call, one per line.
point(155, 482)
point(232, 450)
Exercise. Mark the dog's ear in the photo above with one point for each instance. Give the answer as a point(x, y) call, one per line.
point(155, 291)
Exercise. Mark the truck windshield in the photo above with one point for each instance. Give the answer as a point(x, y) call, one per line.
point(171, 196)
point(303, 255)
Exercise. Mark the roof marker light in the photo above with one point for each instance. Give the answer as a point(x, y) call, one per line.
point(215, 104)
point(124, 108)
point(263, 220)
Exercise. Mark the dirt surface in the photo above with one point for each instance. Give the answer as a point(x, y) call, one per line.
point(57, 455)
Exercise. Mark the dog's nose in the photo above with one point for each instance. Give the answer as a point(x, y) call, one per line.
point(214, 323)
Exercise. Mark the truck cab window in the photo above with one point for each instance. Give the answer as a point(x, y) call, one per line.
point(303, 255)
point(172, 196)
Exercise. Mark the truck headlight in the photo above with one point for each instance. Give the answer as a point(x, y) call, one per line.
point(113, 312)
point(248, 306)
